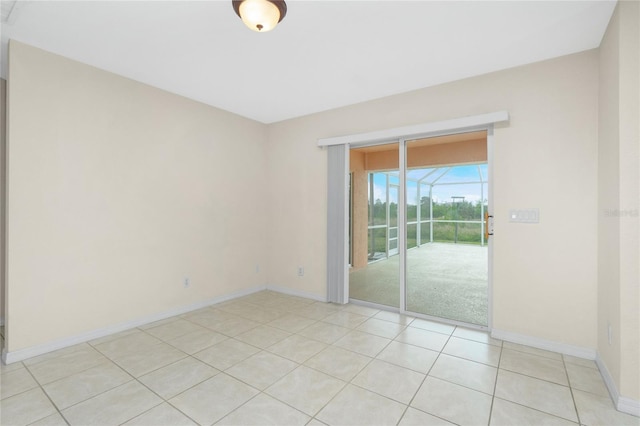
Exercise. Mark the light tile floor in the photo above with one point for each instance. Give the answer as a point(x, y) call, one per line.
point(274, 359)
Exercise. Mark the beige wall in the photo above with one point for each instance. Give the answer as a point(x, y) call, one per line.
point(117, 191)
point(544, 274)
point(619, 199)
point(3, 122)
point(629, 199)
point(608, 201)
point(457, 153)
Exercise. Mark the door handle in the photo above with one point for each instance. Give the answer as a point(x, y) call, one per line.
point(486, 226)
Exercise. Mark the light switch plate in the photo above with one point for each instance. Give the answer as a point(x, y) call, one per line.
point(524, 215)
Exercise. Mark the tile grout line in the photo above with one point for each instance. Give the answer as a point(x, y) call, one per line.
point(495, 384)
point(573, 398)
point(263, 392)
point(238, 379)
point(425, 378)
point(132, 378)
point(346, 383)
point(48, 397)
point(163, 400)
point(547, 381)
point(96, 395)
point(198, 360)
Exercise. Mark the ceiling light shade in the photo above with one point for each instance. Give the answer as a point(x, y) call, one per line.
point(260, 15)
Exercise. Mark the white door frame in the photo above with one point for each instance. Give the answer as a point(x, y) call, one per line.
point(401, 135)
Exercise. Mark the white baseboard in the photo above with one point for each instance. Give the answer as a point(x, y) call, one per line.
point(608, 379)
point(22, 354)
point(629, 406)
point(622, 403)
point(549, 345)
point(293, 292)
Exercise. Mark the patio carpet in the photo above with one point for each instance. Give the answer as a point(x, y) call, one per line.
point(443, 280)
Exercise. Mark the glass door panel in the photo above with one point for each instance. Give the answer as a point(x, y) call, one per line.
point(375, 186)
point(447, 256)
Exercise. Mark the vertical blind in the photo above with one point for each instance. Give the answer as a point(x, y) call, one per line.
point(336, 193)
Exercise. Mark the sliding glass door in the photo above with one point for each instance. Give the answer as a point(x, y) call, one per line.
point(432, 193)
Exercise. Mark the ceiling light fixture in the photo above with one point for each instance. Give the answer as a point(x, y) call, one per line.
point(260, 15)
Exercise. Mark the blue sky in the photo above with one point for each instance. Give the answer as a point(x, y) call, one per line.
point(442, 192)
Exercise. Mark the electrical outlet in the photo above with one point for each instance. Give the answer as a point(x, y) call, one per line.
point(300, 271)
point(257, 269)
point(187, 282)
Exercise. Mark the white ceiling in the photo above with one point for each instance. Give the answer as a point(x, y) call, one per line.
point(323, 55)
